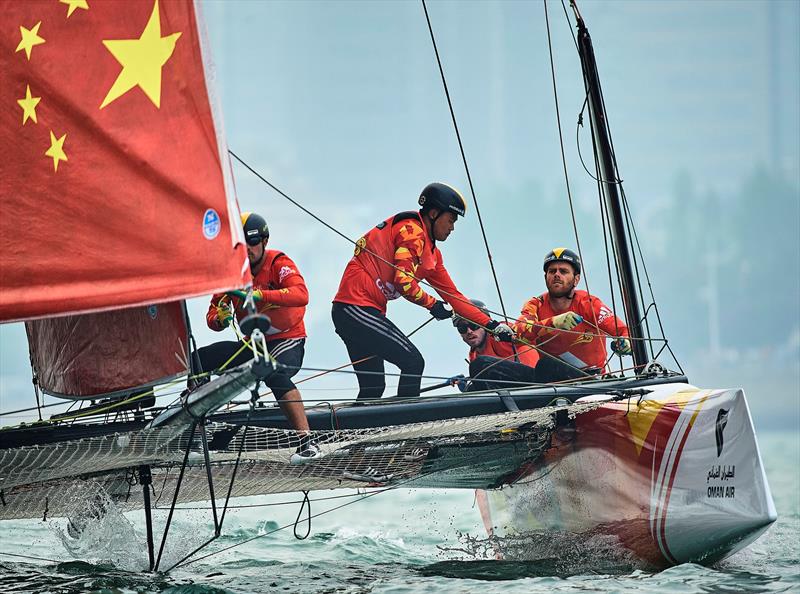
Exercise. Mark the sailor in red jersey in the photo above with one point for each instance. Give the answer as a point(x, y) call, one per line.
point(388, 262)
point(280, 292)
point(494, 364)
point(570, 324)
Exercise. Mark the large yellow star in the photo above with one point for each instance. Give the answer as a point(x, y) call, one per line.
point(73, 4)
point(142, 60)
point(28, 105)
point(56, 150)
point(30, 37)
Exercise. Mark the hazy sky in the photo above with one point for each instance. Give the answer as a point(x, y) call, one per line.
point(341, 106)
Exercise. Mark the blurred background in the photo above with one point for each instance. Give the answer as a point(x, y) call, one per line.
point(340, 105)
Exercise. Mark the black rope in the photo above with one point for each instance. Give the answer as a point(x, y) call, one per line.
point(305, 504)
point(30, 557)
point(585, 275)
point(464, 159)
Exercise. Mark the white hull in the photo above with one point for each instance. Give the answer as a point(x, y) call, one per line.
point(676, 478)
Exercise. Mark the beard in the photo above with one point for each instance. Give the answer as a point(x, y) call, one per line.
point(560, 291)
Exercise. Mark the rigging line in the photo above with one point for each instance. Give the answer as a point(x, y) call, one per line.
point(629, 227)
point(598, 177)
point(30, 557)
point(274, 504)
point(564, 158)
point(345, 237)
point(349, 363)
point(569, 25)
point(464, 159)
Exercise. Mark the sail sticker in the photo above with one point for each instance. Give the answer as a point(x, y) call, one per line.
point(211, 224)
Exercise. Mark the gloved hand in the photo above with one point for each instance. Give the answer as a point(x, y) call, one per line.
point(566, 321)
point(257, 294)
point(459, 381)
point(502, 331)
point(441, 310)
point(621, 346)
point(224, 314)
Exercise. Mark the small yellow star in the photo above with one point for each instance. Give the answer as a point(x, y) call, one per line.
point(56, 150)
point(73, 4)
point(28, 105)
point(30, 37)
point(142, 60)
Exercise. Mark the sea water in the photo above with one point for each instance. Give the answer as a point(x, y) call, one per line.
point(393, 542)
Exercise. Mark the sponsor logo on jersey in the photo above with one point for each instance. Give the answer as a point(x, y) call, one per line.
point(284, 272)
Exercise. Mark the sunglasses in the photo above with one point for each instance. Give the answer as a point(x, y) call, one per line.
point(462, 327)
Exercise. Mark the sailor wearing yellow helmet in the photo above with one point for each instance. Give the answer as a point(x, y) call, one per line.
point(570, 324)
point(388, 262)
point(280, 292)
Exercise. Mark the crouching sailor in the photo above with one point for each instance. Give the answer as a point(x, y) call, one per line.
point(388, 262)
point(569, 324)
point(495, 364)
point(279, 291)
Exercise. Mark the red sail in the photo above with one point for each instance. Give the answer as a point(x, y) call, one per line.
point(114, 175)
point(98, 354)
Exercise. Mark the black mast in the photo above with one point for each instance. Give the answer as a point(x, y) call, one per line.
point(607, 163)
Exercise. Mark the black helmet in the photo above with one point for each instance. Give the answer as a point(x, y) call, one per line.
point(255, 228)
point(477, 303)
point(563, 255)
point(443, 197)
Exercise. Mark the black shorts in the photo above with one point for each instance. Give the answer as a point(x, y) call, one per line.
point(287, 351)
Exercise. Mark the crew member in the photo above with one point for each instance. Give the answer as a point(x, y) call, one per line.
point(569, 323)
point(495, 364)
point(388, 262)
point(280, 292)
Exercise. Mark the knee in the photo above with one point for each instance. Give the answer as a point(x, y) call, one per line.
point(479, 363)
point(414, 363)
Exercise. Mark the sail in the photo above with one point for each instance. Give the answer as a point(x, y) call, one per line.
point(115, 184)
point(91, 355)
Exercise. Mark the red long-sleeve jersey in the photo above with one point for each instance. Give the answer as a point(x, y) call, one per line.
point(389, 260)
point(284, 298)
point(503, 350)
point(581, 346)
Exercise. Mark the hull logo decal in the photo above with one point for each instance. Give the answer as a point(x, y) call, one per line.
point(722, 420)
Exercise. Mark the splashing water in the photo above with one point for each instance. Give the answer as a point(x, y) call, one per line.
point(563, 553)
point(97, 531)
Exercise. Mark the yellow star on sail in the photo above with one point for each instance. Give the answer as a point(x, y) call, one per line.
point(56, 150)
point(30, 38)
point(73, 4)
point(142, 60)
point(28, 105)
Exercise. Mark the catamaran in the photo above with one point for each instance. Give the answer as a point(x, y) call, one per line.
point(671, 471)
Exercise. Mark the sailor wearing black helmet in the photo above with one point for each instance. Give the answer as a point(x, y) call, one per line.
point(569, 323)
point(388, 262)
point(280, 292)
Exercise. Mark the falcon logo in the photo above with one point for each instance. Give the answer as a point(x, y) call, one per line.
point(722, 420)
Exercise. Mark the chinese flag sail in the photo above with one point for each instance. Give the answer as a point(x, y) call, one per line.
point(114, 177)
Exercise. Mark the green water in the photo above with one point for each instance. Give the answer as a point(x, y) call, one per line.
point(396, 542)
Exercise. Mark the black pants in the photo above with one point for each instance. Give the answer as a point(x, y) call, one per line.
point(288, 351)
point(366, 332)
point(491, 373)
point(553, 369)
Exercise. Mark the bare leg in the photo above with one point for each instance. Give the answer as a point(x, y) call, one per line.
point(292, 406)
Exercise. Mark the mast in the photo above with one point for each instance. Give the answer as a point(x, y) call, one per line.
point(607, 163)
